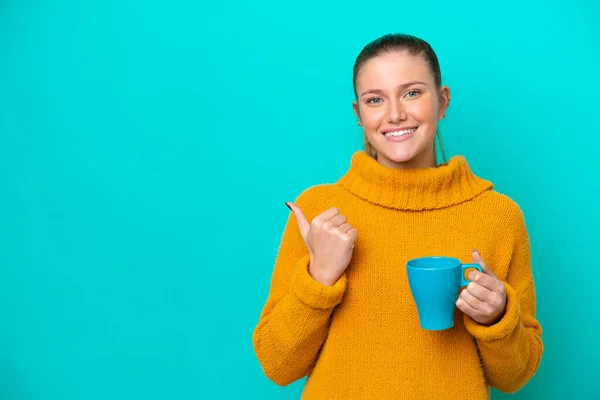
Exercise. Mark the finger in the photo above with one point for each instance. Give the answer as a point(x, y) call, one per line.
point(477, 259)
point(334, 222)
point(352, 234)
point(300, 219)
point(472, 301)
point(466, 308)
point(344, 228)
point(326, 215)
point(489, 282)
point(491, 302)
point(479, 292)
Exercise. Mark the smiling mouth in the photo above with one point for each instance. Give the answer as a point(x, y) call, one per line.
point(400, 133)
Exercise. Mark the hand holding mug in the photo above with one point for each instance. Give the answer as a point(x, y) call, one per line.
point(484, 298)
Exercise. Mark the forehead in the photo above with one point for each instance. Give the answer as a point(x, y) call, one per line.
point(393, 69)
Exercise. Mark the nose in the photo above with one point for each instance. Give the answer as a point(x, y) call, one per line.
point(396, 112)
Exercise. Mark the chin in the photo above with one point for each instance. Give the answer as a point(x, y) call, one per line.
point(399, 156)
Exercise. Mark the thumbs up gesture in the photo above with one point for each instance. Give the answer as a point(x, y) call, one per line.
point(330, 242)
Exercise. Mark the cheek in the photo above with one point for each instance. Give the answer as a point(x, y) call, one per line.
point(373, 117)
point(423, 111)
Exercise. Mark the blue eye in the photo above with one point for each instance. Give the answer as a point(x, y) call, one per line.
point(372, 101)
point(416, 92)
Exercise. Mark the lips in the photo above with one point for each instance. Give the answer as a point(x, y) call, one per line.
point(391, 133)
point(393, 130)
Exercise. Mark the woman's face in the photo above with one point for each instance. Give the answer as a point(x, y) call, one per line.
point(399, 106)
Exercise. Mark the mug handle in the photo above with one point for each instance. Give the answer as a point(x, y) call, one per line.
point(464, 267)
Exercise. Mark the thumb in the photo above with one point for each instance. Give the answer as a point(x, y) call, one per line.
point(300, 219)
point(477, 259)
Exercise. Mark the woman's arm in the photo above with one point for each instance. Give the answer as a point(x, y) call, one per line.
point(295, 319)
point(512, 348)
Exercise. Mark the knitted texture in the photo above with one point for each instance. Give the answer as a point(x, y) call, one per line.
point(360, 338)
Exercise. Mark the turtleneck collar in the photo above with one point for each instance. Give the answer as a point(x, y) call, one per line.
point(412, 189)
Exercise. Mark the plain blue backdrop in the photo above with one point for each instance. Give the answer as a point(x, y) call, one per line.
point(147, 148)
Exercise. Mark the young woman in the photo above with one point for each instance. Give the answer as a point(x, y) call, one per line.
point(340, 309)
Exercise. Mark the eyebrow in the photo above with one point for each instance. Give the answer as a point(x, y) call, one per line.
point(379, 91)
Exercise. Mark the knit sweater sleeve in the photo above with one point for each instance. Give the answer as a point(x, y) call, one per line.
point(512, 348)
point(295, 319)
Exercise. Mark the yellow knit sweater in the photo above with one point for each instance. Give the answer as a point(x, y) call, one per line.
point(360, 338)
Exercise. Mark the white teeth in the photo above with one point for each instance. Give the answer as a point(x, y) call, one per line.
point(400, 133)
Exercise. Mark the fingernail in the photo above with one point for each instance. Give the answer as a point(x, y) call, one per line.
point(288, 206)
point(475, 251)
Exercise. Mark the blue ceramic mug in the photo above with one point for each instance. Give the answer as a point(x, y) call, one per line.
point(434, 283)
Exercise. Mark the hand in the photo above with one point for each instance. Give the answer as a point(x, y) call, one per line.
point(330, 241)
point(484, 298)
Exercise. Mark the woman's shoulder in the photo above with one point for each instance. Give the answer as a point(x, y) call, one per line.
point(502, 209)
point(316, 199)
point(321, 193)
point(498, 206)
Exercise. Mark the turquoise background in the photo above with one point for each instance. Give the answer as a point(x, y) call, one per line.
point(147, 147)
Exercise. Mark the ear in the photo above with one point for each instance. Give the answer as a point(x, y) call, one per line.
point(444, 101)
point(356, 111)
